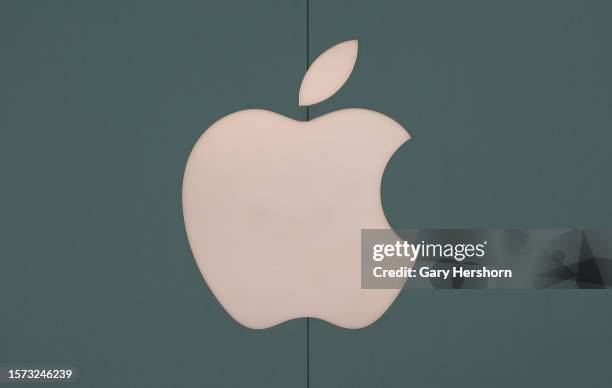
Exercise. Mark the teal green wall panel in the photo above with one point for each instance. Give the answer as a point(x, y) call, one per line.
point(509, 107)
point(101, 102)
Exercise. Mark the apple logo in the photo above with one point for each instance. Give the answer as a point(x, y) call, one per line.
point(274, 207)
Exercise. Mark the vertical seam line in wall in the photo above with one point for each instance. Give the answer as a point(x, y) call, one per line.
point(307, 118)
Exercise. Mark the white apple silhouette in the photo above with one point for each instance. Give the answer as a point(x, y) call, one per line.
point(274, 207)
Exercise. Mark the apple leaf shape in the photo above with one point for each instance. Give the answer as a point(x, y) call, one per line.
point(328, 73)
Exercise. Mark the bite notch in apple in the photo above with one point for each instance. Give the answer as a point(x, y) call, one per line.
point(274, 207)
